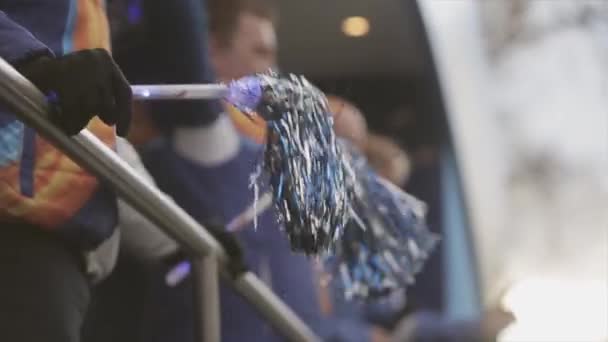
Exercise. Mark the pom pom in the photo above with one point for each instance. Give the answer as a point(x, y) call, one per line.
point(302, 162)
point(386, 241)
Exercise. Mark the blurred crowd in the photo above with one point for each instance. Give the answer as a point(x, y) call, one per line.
point(201, 154)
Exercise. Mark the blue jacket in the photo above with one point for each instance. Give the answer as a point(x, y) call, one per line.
point(222, 193)
point(39, 184)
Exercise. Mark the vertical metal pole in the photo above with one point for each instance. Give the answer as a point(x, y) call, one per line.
point(206, 289)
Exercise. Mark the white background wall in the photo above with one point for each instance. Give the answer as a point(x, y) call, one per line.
point(526, 85)
point(551, 98)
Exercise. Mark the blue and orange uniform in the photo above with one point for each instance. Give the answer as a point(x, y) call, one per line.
point(51, 210)
point(41, 186)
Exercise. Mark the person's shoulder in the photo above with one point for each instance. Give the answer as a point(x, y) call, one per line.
point(159, 144)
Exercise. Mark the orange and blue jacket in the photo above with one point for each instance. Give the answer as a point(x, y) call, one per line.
point(39, 185)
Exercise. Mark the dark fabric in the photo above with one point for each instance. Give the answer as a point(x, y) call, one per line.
point(44, 291)
point(118, 306)
point(16, 43)
point(428, 291)
point(168, 45)
point(174, 26)
point(169, 312)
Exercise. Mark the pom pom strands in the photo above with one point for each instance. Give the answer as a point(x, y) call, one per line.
point(385, 243)
point(302, 160)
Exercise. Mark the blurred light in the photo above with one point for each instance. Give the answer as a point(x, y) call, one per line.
point(134, 12)
point(355, 26)
point(177, 274)
point(145, 93)
point(557, 310)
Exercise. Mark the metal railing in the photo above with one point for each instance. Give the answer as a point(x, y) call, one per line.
point(30, 105)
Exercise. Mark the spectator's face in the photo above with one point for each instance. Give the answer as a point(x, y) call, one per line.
point(252, 49)
point(349, 123)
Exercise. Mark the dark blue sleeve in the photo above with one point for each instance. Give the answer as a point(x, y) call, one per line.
point(176, 53)
point(16, 43)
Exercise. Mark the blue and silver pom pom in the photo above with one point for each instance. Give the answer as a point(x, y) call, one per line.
point(385, 243)
point(302, 161)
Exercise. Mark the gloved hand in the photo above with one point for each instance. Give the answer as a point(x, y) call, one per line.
point(233, 248)
point(84, 84)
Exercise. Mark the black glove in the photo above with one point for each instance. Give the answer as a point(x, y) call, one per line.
point(236, 262)
point(85, 84)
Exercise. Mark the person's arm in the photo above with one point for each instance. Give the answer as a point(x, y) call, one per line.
point(209, 145)
point(18, 45)
point(81, 85)
point(140, 237)
point(178, 53)
point(432, 326)
point(135, 235)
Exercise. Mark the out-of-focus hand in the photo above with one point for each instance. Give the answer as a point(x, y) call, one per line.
point(431, 326)
point(82, 84)
point(380, 335)
point(349, 122)
point(493, 322)
point(388, 159)
point(405, 330)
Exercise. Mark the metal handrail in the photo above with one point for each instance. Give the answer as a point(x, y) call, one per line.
point(30, 105)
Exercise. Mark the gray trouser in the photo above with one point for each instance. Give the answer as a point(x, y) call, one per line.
point(44, 293)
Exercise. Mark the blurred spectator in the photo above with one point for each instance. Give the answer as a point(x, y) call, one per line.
point(164, 31)
point(153, 42)
point(243, 38)
point(419, 325)
point(210, 180)
point(426, 326)
point(350, 125)
point(243, 42)
point(349, 122)
point(387, 158)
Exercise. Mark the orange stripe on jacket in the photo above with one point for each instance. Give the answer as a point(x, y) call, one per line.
point(61, 187)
